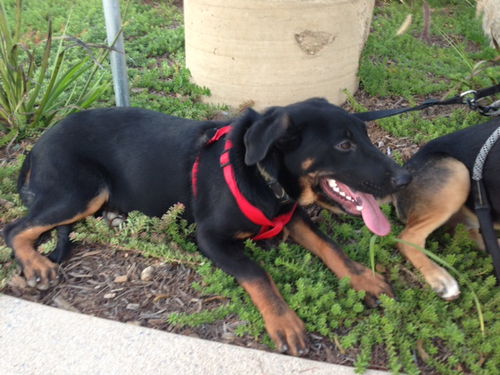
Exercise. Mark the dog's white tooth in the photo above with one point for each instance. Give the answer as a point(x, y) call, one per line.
point(359, 208)
point(336, 189)
point(342, 194)
point(332, 182)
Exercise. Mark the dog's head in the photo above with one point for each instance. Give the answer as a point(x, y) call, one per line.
point(325, 157)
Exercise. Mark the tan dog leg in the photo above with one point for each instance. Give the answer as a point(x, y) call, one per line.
point(436, 193)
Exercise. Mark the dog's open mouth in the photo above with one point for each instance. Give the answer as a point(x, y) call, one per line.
point(357, 203)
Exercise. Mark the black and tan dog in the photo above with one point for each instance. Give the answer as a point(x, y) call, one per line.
point(440, 193)
point(125, 159)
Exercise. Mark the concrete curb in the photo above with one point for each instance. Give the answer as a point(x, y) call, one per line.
point(39, 339)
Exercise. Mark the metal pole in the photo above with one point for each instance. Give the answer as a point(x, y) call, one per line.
point(118, 64)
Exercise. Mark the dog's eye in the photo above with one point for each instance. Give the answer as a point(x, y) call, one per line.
point(344, 146)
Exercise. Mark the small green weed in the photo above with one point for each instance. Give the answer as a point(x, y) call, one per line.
point(10, 204)
point(168, 237)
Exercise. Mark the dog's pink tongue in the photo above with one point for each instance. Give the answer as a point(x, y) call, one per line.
point(373, 217)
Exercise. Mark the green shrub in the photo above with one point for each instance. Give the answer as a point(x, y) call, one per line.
point(36, 90)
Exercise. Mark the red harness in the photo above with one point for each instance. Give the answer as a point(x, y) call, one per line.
point(269, 228)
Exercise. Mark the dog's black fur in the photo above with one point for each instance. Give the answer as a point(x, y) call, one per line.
point(440, 193)
point(126, 159)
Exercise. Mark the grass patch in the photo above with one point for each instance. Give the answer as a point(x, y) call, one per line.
point(167, 237)
point(456, 59)
point(449, 333)
point(444, 336)
point(406, 65)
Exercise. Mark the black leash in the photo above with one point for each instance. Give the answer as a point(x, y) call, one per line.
point(483, 212)
point(470, 97)
point(481, 204)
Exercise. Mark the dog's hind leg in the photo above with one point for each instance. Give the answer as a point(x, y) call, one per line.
point(63, 247)
point(437, 192)
point(47, 212)
point(469, 219)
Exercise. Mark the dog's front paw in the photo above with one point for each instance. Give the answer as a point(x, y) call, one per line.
point(441, 282)
point(288, 333)
point(39, 272)
point(373, 283)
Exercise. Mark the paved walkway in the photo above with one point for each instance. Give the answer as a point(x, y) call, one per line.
point(38, 339)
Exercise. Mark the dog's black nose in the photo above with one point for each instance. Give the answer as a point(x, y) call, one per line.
point(401, 178)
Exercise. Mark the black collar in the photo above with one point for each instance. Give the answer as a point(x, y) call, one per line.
point(278, 190)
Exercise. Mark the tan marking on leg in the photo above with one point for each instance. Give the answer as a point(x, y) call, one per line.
point(361, 277)
point(304, 236)
point(266, 296)
point(282, 323)
point(38, 269)
point(306, 164)
point(94, 205)
point(433, 207)
point(477, 237)
point(466, 217)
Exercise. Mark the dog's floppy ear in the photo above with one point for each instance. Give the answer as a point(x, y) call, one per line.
point(258, 139)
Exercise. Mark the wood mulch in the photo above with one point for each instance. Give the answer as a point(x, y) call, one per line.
point(107, 283)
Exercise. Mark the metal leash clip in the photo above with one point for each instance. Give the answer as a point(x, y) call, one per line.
point(491, 110)
point(469, 98)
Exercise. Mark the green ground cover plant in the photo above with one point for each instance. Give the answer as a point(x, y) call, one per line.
point(418, 330)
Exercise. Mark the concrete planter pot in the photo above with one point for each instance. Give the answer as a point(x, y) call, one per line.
point(275, 52)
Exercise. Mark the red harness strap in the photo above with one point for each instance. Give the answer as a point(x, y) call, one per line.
point(221, 132)
point(269, 228)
